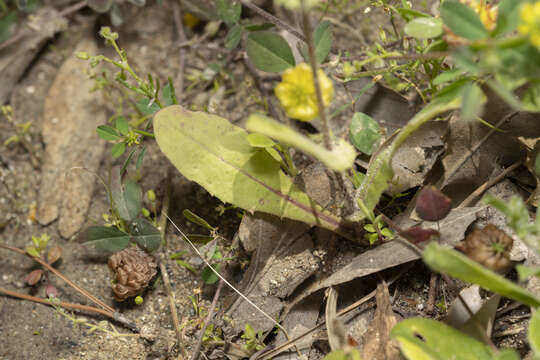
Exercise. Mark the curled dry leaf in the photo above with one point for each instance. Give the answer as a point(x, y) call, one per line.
point(33, 277)
point(490, 247)
point(54, 254)
point(432, 204)
point(133, 269)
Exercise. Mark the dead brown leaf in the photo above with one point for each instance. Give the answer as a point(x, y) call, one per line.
point(379, 346)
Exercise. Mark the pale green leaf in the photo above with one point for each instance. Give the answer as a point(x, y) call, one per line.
point(473, 100)
point(455, 264)
point(214, 153)
point(364, 133)
point(424, 27)
point(340, 158)
point(196, 219)
point(260, 140)
point(426, 339)
point(534, 333)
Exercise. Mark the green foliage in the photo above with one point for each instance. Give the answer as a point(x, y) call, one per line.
point(196, 219)
point(269, 51)
point(40, 244)
point(534, 334)
point(8, 22)
point(349, 354)
point(517, 217)
point(126, 223)
point(463, 20)
point(364, 133)
point(322, 41)
point(217, 155)
point(339, 159)
point(376, 230)
point(229, 11)
point(253, 340)
point(455, 264)
point(424, 27)
point(433, 340)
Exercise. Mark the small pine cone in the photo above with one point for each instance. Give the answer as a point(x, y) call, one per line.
point(133, 269)
point(490, 247)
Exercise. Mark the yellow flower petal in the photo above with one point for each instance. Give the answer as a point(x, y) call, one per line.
point(296, 92)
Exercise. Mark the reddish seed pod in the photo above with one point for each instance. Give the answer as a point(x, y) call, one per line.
point(51, 291)
point(432, 204)
point(417, 235)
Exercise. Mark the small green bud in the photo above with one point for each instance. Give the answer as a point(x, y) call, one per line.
point(145, 212)
point(212, 27)
point(139, 300)
point(151, 195)
point(83, 55)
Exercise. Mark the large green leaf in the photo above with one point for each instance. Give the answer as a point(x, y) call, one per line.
point(217, 155)
point(455, 264)
point(269, 51)
point(106, 239)
point(426, 339)
point(463, 20)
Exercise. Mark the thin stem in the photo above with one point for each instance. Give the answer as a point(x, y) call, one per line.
point(274, 20)
point(476, 193)
point(211, 313)
point(315, 70)
point(62, 304)
point(452, 171)
point(61, 276)
point(163, 269)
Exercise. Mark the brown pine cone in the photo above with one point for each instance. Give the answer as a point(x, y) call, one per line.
point(490, 247)
point(133, 269)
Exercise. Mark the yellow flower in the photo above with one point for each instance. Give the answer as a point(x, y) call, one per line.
point(296, 92)
point(530, 22)
point(486, 12)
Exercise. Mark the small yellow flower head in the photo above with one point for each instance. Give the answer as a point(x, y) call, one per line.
point(487, 12)
point(530, 22)
point(296, 92)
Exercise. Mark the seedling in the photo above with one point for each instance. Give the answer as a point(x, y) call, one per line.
point(253, 340)
point(51, 256)
point(126, 223)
